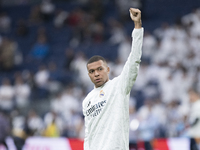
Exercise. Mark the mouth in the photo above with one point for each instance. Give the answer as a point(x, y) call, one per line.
point(98, 80)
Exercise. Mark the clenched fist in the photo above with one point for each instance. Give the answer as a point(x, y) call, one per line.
point(135, 15)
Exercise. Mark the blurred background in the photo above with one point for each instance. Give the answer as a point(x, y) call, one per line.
point(44, 47)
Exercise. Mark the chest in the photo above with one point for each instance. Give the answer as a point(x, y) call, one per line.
point(95, 103)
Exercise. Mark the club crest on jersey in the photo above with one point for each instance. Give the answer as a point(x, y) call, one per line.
point(101, 94)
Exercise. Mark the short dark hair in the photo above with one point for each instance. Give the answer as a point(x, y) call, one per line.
point(96, 58)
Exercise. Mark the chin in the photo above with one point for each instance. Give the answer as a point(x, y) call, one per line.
point(98, 85)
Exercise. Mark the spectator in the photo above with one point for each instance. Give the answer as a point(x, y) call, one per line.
point(28, 77)
point(19, 134)
point(70, 104)
point(75, 17)
point(96, 8)
point(174, 49)
point(182, 75)
point(5, 129)
point(168, 89)
point(67, 106)
point(42, 31)
point(117, 31)
point(41, 77)
point(174, 116)
point(10, 55)
point(7, 54)
point(75, 125)
point(22, 28)
point(60, 18)
point(161, 32)
point(35, 123)
point(55, 78)
point(149, 46)
point(6, 95)
point(78, 65)
point(124, 49)
point(78, 20)
point(47, 9)
point(148, 124)
point(40, 49)
point(5, 22)
point(134, 124)
point(124, 5)
point(54, 71)
point(117, 68)
point(56, 104)
point(35, 15)
point(159, 110)
point(54, 125)
point(194, 117)
point(142, 78)
point(98, 32)
point(69, 57)
point(194, 22)
point(22, 93)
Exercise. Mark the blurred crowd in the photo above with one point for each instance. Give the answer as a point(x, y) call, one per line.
point(161, 101)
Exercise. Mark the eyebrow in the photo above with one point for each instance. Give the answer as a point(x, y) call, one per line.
point(95, 69)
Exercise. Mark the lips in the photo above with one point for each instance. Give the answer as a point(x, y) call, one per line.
point(97, 80)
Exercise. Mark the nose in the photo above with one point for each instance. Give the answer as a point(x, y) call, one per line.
point(96, 73)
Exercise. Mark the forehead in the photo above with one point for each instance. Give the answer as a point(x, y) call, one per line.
point(96, 64)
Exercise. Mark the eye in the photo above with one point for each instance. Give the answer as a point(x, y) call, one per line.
point(91, 71)
point(100, 69)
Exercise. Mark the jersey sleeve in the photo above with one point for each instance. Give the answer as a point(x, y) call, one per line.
point(86, 144)
point(131, 67)
point(86, 147)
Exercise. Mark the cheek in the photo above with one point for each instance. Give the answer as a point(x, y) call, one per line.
point(91, 78)
point(105, 76)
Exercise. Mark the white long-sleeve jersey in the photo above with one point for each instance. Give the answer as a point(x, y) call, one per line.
point(106, 108)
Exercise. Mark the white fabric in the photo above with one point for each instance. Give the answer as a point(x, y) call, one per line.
point(6, 96)
point(22, 93)
point(41, 78)
point(194, 131)
point(106, 109)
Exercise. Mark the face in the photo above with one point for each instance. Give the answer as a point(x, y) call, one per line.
point(98, 72)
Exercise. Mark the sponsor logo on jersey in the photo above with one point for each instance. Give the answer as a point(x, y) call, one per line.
point(95, 109)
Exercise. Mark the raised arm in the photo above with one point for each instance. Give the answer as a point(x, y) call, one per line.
point(131, 68)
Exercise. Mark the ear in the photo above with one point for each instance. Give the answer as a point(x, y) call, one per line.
point(108, 70)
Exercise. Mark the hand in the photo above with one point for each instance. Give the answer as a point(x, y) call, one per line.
point(135, 15)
